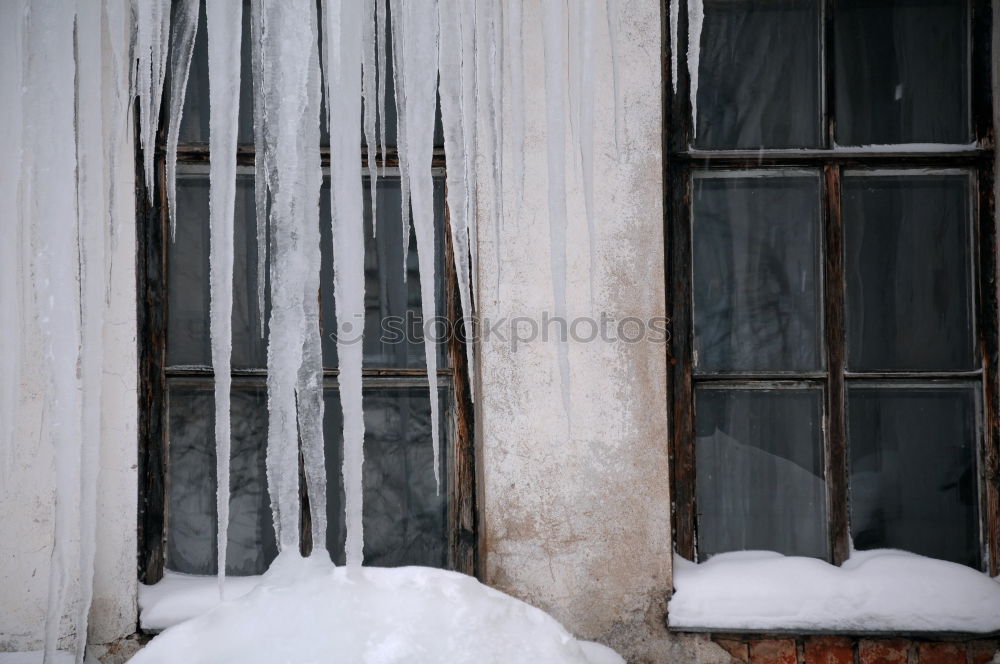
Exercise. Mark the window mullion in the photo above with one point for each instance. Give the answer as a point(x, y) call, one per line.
point(835, 430)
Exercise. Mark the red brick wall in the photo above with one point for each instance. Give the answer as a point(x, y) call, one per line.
point(856, 650)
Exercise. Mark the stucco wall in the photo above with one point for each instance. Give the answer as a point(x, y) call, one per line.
point(575, 511)
point(26, 498)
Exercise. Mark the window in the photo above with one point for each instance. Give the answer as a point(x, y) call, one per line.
point(406, 521)
point(831, 261)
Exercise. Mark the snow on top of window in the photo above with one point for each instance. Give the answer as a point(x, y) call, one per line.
point(880, 590)
point(305, 609)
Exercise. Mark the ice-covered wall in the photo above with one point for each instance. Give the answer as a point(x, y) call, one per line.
point(27, 493)
point(575, 518)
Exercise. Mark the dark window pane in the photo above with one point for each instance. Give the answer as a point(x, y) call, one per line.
point(756, 273)
point(188, 292)
point(902, 71)
point(759, 75)
point(191, 514)
point(405, 519)
point(908, 263)
point(913, 470)
point(760, 485)
point(392, 305)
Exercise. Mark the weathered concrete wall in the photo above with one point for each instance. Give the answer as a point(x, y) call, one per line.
point(575, 511)
point(26, 498)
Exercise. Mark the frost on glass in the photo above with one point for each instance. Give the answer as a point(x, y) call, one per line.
point(759, 454)
point(913, 470)
point(405, 518)
point(901, 72)
point(192, 519)
point(908, 265)
point(756, 274)
point(758, 82)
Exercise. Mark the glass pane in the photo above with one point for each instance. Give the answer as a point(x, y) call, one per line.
point(760, 485)
point(902, 71)
point(188, 294)
point(405, 519)
point(393, 319)
point(913, 470)
point(759, 75)
point(191, 514)
point(909, 273)
point(756, 274)
point(194, 120)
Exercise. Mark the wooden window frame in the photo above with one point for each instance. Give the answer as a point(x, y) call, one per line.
point(679, 163)
point(152, 272)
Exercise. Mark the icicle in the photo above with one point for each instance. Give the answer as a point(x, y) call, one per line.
point(486, 106)
point(470, 127)
point(585, 128)
point(181, 50)
point(152, 34)
point(419, 53)
point(611, 8)
point(402, 151)
point(553, 26)
point(347, 201)
point(92, 204)
point(11, 34)
point(496, 116)
point(696, 16)
point(381, 33)
point(450, 92)
point(369, 89)
point(224, 19)
point(309, 390)
point(675, 12)
point(514, 46)
point(261, 176)
point(50, 210)
point(288, 40)
point(574, 57)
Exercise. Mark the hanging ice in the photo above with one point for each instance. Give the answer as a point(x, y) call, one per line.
point(675, 13)
point(369, 90)
point(224, 20)
point(381, 33)
point(696, 17)
point(342, 68)
point(419, 50)
point(450, 92)
point(287, 45)
point(181, 50)
point(553, 21)
point(12, 17)
point(402, 143)
point(151, 40)
point(469, 125)
point(262, 174)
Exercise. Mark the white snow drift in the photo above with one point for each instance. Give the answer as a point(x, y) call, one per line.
point(883, 590)
point(308, 610)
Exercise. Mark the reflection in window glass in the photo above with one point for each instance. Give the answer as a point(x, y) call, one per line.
point(760, 485)
point(901, 71)
point(759, 83)
point(405, 519)
point(191, 516)
point(913, 470)
point(756, 245)
point(908, 263)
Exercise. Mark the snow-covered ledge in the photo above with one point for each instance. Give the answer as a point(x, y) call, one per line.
point(874, 591)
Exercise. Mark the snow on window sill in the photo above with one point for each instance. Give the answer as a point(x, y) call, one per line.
point(179, 597)
point(881, 591)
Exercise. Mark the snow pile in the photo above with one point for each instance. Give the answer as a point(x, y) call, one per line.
point(178, 597)
point(307, 610)
point(882, 590)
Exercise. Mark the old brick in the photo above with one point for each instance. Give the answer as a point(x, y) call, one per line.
point(941, 653)
point(982, 651)
point(737, 649)
point(883, 651)
point(773, 651)
point(829, 650)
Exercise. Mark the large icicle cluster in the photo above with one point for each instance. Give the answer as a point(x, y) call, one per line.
point(56, 223)
point(57, 184)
